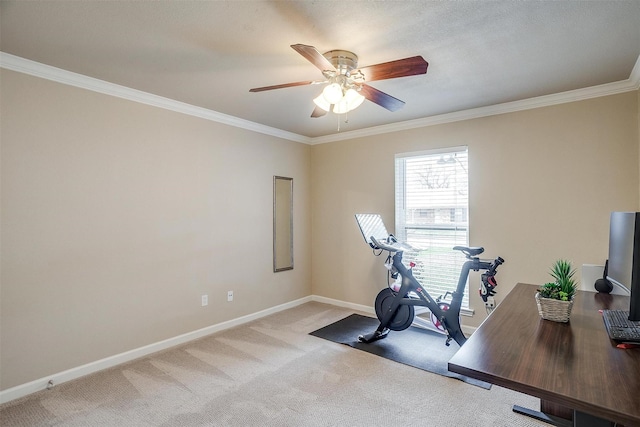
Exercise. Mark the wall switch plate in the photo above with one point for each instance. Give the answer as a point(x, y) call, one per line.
point(205, 300)
point(230, 296)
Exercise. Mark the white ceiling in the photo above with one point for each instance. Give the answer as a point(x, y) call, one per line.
point(210, 53)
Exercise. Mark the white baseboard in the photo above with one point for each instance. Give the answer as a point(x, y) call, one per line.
point(108, 362)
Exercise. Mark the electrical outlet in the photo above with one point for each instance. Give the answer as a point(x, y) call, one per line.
point(205, 300)
point(230, 296)
point(491, 303)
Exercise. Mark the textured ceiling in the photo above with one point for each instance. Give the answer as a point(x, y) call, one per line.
point(210, 53)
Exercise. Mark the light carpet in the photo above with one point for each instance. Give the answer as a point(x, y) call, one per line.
point(269, 372)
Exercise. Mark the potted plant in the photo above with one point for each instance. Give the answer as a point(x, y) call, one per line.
point(555, 299)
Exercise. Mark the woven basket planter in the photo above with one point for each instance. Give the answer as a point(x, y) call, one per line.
point(553, 309)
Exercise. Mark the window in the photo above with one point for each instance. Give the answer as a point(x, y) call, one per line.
point(432, 209)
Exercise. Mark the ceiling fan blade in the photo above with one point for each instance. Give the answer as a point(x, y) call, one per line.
point(381, 98)
point(312, 55)
point(394, 69)
point(318, 112)
point(261, 89)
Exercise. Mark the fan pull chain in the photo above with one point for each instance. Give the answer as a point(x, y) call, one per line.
point(346, 119)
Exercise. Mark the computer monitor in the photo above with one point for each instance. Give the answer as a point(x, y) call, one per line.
point(624, 256)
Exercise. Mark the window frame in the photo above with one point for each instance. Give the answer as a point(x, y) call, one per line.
point(401, 208)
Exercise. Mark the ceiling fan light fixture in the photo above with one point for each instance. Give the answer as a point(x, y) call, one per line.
point(341, 107)
point(353, 99)
point(321, 102)
point(345, 81)
point(332, 93)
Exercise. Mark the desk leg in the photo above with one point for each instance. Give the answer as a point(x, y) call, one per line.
point(556, 410)
point(547, 418)
point(580, 419)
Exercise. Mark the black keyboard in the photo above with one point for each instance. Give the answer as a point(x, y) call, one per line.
point(619, 327)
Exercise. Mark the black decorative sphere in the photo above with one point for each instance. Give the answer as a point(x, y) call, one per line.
point(604, 286)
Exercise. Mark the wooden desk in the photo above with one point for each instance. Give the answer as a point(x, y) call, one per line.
point(574, 365)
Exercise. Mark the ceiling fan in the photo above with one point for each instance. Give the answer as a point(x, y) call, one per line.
point(345, 83)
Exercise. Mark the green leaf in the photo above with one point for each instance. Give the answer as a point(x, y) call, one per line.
point(564, 287)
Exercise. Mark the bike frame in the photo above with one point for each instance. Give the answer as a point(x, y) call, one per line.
point(450, 317)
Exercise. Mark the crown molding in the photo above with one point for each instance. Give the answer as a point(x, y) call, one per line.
point(26, 66)
point(630, 84)
point(634, 78)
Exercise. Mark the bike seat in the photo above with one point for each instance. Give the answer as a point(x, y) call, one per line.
point(469, 251)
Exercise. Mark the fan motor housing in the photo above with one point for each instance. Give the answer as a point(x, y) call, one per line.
point(343, 60)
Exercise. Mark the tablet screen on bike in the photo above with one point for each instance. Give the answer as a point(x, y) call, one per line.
point(372, 225)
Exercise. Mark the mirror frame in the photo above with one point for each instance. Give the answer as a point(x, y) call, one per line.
point(282, 207)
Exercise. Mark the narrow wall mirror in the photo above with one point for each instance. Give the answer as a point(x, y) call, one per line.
point(282, 223)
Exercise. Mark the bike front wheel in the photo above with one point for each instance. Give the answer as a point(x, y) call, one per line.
point(404, 314)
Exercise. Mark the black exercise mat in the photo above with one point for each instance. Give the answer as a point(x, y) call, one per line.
point(417, 347)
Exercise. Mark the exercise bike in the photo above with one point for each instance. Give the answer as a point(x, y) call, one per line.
point(395, 307)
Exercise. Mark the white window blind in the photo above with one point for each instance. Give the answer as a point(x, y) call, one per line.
point(432, 205)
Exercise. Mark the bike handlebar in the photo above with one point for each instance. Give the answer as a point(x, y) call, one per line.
point(392, 245)
point(494, 266)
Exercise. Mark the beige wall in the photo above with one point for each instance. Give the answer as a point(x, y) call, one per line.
point(117, 217)
point(542, 184)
